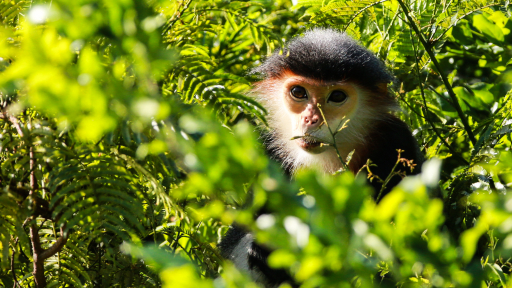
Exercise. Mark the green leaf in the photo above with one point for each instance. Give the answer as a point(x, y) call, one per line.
point(488, 28)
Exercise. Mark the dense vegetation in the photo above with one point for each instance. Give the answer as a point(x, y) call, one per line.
point(127, 146)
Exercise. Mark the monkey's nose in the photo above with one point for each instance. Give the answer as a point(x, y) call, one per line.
point(311, 120)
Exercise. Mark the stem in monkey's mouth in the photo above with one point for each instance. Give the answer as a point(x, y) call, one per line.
point(308, 142)
point(306, 137)
point(309, 139)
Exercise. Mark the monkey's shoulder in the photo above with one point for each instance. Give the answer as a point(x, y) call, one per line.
point(389, 136)
point(390, 141)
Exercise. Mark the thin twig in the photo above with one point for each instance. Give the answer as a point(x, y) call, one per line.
point(177, 15)
point(333, 134)
point(385, 182)
point(432, 21)
point(425, 106)
point(461, 17)
point(393, 173)
point(449, 89)
point(386, 34)
point(361, 11)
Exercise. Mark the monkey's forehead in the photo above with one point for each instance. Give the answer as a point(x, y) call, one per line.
point(290, 76)
point(326, 55)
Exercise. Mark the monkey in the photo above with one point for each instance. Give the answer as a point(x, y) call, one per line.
point(327, 99)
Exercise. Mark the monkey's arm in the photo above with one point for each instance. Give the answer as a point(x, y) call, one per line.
point(239, 247)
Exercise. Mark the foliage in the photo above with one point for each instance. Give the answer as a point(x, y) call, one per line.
point(127, 147)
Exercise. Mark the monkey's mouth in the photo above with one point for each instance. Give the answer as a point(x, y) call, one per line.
point(308, 143)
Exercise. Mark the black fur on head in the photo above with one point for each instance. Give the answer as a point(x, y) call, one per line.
point(327, 55)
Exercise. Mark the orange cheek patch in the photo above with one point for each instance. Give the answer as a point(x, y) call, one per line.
point(347, 109)
point(294, 106)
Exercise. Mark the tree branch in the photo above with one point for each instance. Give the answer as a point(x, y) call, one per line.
point(40, 207)
point(449, 89)
point(56, 247)
point(37, 251)
point(14, 122)
point(38, 271)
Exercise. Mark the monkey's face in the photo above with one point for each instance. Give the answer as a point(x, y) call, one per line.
point(316, 110)
point(304, 113)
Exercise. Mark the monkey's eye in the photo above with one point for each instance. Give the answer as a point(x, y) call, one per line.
point(299, 92)
point(337, 97)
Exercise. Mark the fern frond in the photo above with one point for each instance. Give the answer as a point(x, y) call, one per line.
point(10, 10)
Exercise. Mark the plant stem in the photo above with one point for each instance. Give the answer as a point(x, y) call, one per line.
point(449, 89)
point(333, 134)
point(361, 11)
point(425, 107)
point(39, 254)
point(385, 183)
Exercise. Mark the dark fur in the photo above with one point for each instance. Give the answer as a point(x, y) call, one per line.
point(386, 138)
point(257, 257)
point(328, 55)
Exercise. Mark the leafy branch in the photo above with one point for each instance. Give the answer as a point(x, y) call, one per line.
point(393, 173)
point(425, 110)
point(462, 17)
point(430, 52)
point(361, 11)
